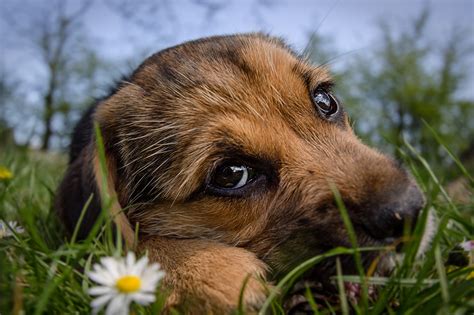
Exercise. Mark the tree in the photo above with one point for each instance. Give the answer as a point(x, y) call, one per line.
point(53, 36)
point(408, 78)
point(7, 94)
point(55, 44)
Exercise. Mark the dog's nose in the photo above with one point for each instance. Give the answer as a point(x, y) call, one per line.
point(394, 212)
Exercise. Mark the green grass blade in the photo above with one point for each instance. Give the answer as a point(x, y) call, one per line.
point(353, 239)
point(342, 292)
point(450, 153)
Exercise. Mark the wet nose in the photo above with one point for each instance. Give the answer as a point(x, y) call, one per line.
point(394, 212)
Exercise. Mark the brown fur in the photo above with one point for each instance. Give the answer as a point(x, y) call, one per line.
point(188, 107)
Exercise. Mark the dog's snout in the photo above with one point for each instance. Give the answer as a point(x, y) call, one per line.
point(395, 212)
point(412, 203)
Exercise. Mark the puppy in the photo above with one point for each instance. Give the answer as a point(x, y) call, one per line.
point(225, 153)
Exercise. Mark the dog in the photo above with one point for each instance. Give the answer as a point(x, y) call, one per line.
point(225, 153)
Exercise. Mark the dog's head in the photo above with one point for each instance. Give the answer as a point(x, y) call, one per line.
point(237, 139)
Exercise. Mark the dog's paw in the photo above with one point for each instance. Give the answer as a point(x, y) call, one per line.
point(218, 278)
point(208, 277)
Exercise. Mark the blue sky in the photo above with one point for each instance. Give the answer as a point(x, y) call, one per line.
point(351, 26)
point(351, 23)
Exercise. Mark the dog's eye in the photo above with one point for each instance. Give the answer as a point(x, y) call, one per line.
point(230, 176)
point(325, 102)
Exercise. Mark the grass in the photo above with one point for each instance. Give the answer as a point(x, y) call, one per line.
point(42, 272)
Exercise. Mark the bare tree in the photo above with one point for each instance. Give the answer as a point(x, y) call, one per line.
point(52, 43)
point(52, 32)
point(7, 93)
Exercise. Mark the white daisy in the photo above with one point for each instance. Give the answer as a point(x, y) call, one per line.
point(122, 281)
point(7, 228)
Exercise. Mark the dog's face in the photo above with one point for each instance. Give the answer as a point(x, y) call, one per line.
point(236, 139)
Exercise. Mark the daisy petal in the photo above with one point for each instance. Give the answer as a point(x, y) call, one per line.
point(101, 278)
point(101, 301)
point(143, 298)
point(150, 280)
point(140, 266)
point(111, 265)
point(100, 290)
point(130, 260)
point(119, 305)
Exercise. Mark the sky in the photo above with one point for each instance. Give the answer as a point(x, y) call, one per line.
point(136, 30)
point(351, 25)
point(350, 22)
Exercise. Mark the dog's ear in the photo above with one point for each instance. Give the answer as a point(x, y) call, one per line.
point(90, 179)
point(76, 191)
point(106, 163)
point(105, 175)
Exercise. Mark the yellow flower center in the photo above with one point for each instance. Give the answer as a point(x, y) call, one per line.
point(128, 284)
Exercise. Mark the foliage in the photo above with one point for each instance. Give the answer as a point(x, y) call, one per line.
point(52, 37)
point(8, 94)
point(408, 78)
